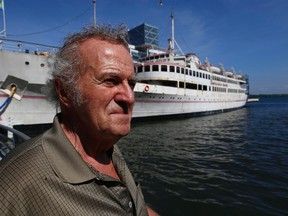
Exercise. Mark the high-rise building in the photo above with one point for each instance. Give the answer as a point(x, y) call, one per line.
point(143, 34)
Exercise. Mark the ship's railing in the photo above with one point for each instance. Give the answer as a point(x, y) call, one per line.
point(9, 139)
point(26, 47)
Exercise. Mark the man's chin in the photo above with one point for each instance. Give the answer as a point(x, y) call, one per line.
point(124, 130)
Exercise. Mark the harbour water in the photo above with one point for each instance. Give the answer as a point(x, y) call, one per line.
point(233, 163)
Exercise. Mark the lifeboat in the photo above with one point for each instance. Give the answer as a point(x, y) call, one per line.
point(229, 73)
point(239, 76)
point(215, 69)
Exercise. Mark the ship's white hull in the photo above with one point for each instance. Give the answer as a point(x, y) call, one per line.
point(35, 108)
point(31, 109)
point(177, 102)
point(152, 107)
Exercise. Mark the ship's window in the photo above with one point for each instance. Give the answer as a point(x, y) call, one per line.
point(164, 68)
point(199, 87)
point(190, 72)
point(181, 84)
point(42, 65)
point(191, 86)
point(147, 68)
point(155, 68)
point(182, 70)
point(186, 71)
point(172, 69)
point(169, 83)
point(194, 73)
point(140, 69)
point(177, 69)
point(204, 88)
point(27, 63)
point(197, 74)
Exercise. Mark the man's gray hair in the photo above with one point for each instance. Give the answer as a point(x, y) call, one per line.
point(66, 64)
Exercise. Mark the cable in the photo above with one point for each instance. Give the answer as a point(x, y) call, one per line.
point(26, 42)
point(5, 102)
point(13, 90)
point(51, 29)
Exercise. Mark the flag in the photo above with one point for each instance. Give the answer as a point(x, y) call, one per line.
point(1, 5)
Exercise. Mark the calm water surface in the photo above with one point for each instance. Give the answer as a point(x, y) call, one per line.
point(234, 163)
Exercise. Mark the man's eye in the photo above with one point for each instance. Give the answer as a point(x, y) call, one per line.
point(111, 82)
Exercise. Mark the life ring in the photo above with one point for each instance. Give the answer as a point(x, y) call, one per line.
point(146, 89)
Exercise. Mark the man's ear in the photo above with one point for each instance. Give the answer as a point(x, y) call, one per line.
point(61, 91)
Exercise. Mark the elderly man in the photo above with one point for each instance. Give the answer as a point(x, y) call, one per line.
point(75, 168)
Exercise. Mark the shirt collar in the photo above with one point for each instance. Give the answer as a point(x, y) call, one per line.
point(64, 159)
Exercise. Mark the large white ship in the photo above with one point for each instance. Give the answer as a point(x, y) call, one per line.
point(170, 84)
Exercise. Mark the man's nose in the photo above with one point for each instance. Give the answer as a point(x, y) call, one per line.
point(125, 94)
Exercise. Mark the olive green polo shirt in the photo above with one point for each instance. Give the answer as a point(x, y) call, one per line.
point(47, 176)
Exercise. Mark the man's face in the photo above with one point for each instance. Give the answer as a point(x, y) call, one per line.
point(107, 89)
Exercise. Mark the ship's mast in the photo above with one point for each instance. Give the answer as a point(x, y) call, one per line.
point(94, 3)
point(172, 40)
point(172, 31)
point(3, 32)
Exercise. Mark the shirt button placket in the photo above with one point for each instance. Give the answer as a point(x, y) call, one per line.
point(130, 204)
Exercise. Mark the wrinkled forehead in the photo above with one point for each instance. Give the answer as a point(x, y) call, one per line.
point(102, 55)
point(95, 47)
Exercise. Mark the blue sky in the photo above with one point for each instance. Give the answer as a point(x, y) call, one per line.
point(249, 35)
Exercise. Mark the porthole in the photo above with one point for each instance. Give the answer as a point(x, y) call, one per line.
point(27, 63)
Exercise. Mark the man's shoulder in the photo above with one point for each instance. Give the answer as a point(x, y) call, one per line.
point(21, 154)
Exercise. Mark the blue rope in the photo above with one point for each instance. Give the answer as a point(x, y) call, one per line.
point(5, 102)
